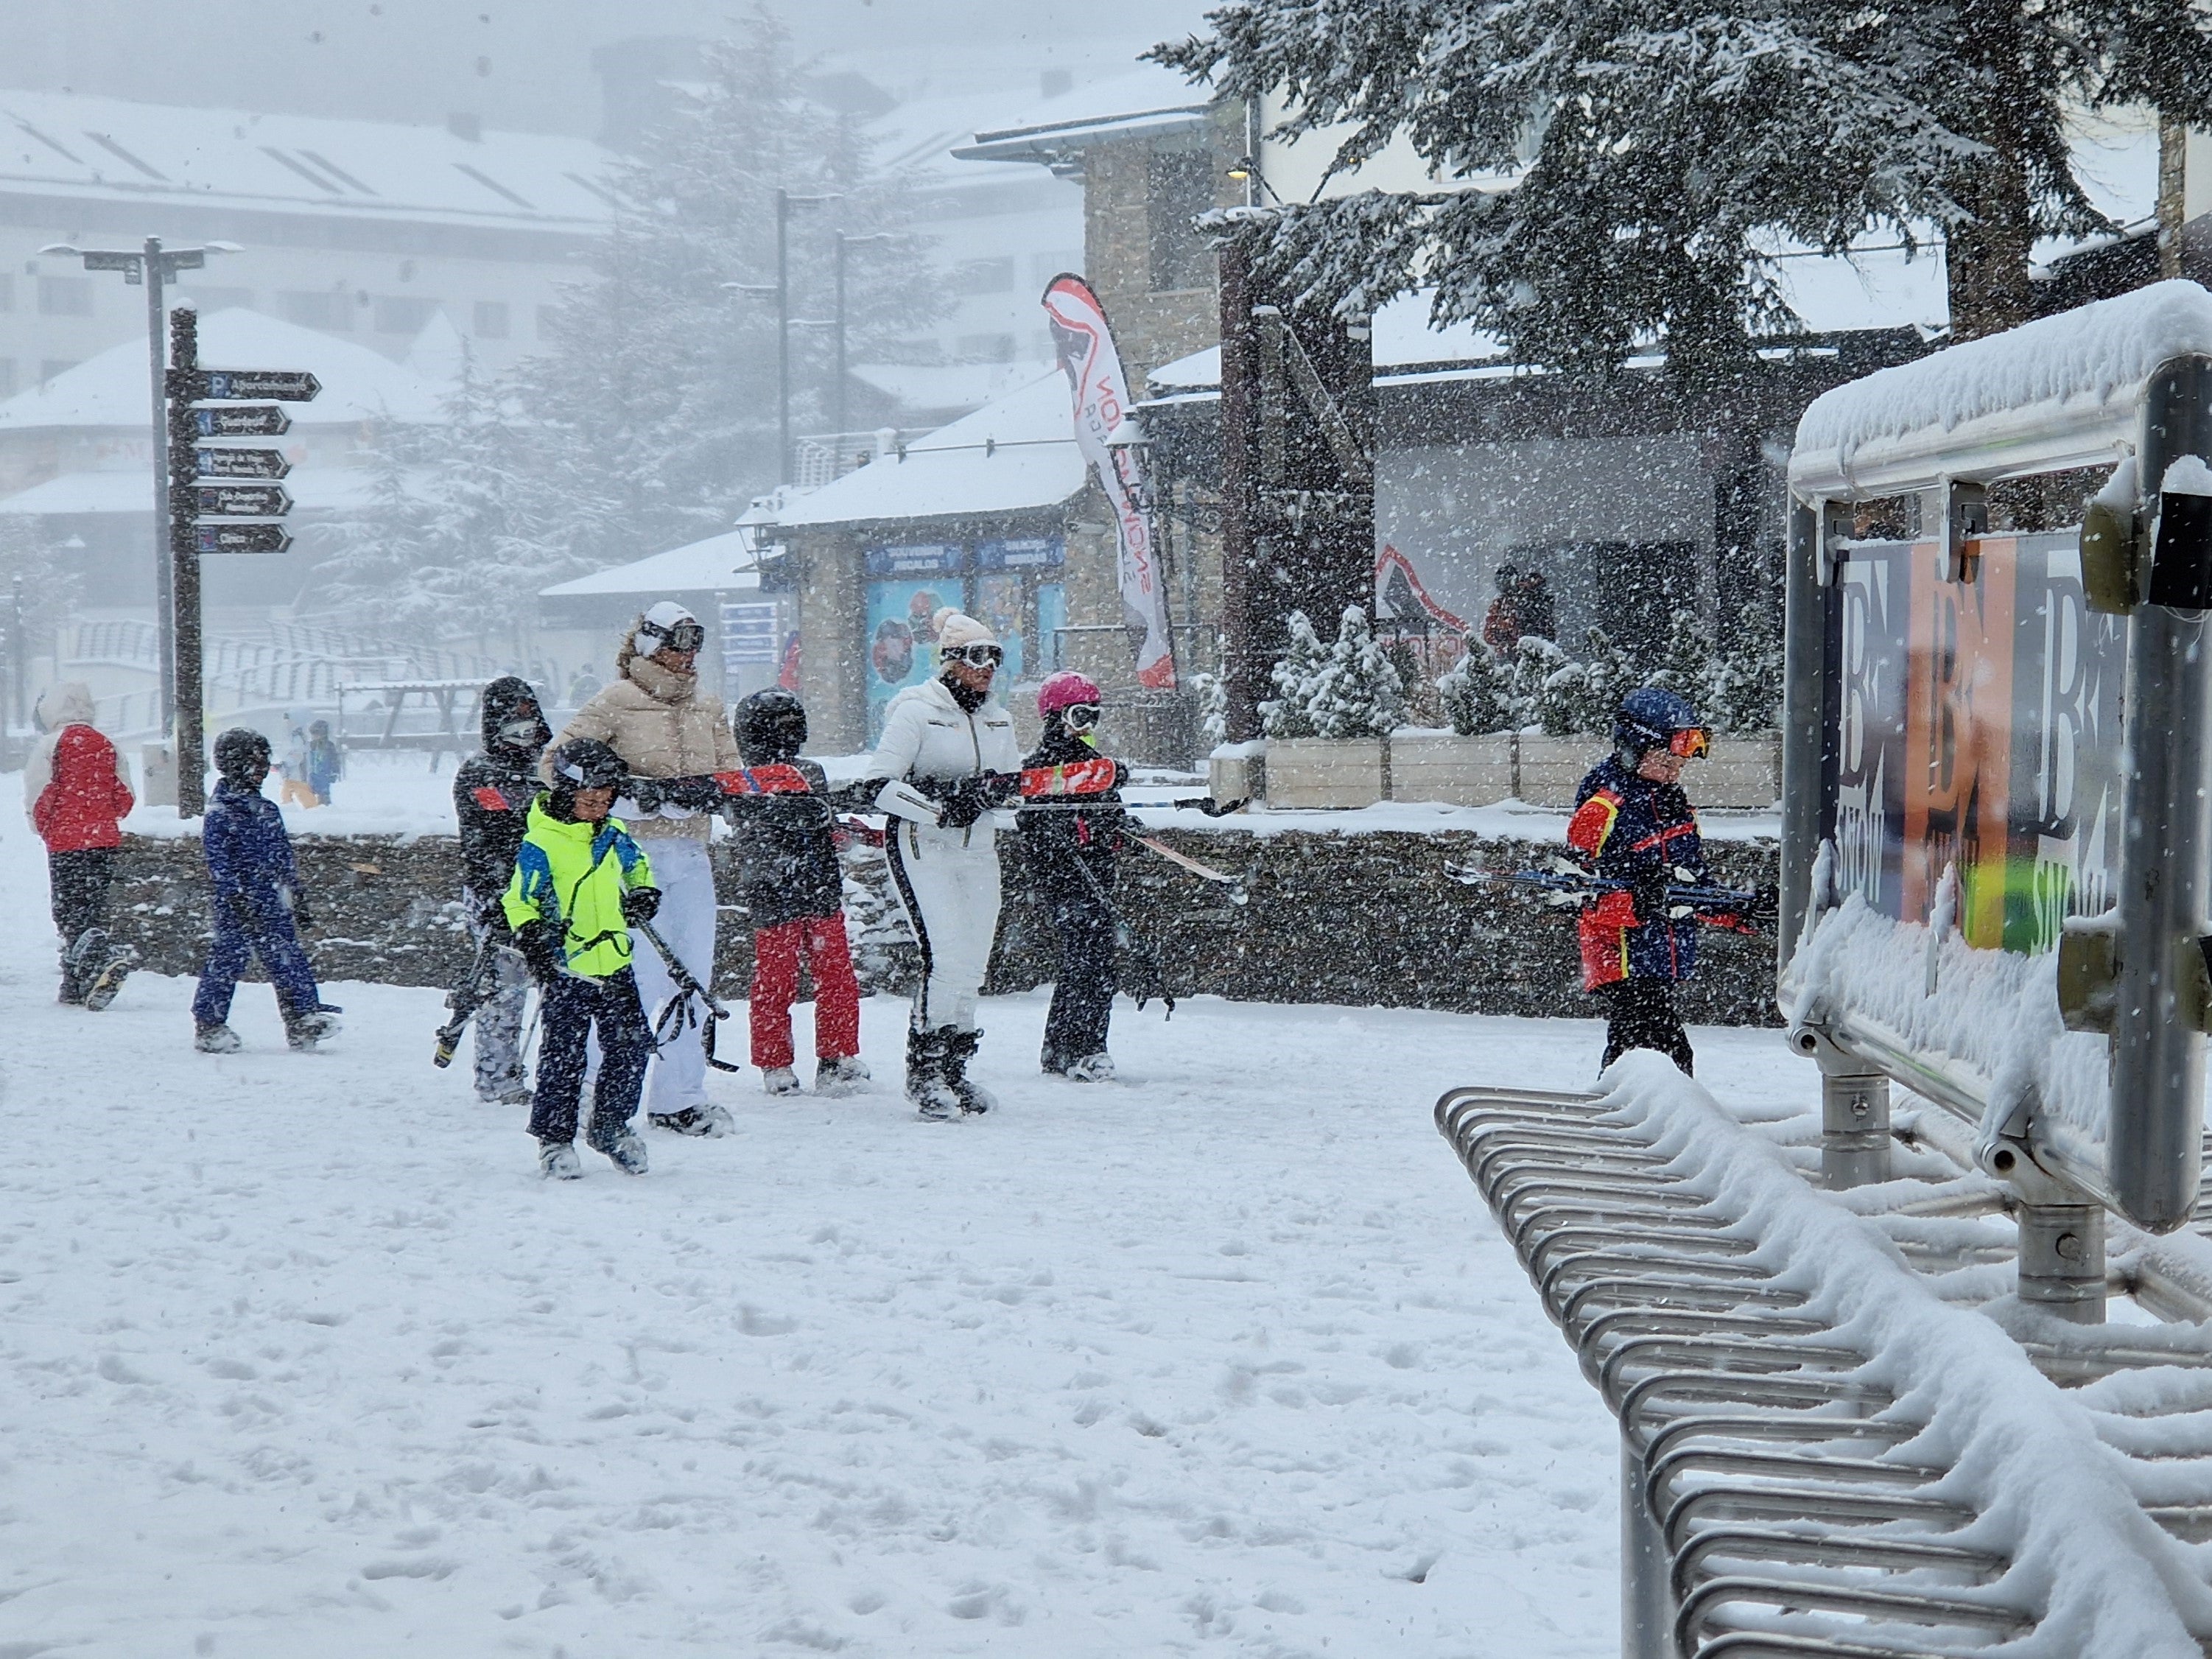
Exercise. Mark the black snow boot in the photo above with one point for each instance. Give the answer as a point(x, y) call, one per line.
point(933, 1096)
point(959, 1049)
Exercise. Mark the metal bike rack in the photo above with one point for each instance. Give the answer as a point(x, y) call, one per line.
point(1775, 1499)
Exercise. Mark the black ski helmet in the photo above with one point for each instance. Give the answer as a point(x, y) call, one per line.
point(583, 763)
point(242, 759)
point(508, 703)
point(770, 726)
point(1649, 717)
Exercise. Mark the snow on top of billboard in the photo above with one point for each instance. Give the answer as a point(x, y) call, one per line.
point(2060, 391)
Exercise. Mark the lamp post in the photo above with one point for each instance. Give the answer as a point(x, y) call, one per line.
point(780, 288)
point(155, 266)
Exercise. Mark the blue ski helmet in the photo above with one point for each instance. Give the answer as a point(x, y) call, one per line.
point(1649, 717)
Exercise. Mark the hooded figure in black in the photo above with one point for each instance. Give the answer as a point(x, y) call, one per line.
point(492, 793)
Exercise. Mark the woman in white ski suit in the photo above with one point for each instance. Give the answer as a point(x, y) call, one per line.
point(947, 755)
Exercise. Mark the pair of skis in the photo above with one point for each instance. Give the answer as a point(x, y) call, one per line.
point(1564, 885)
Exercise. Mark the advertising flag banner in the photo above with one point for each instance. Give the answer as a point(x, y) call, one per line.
point(1084, 346)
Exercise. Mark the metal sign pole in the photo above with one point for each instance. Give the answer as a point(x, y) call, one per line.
point(185, 565)
point(155, 270)
point(2158, 1041)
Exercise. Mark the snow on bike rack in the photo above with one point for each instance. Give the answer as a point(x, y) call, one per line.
point(1828, 1447)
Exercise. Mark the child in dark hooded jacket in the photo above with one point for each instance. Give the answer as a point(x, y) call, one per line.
point(492, 793)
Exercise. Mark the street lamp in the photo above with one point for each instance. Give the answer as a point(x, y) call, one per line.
point(154, 265)
point(785, 202)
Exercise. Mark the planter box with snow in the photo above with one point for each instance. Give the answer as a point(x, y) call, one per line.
point(1324, 771)
point(1741, 772)
point(1442, 766)
point(1552, 767)
point(1238, 771)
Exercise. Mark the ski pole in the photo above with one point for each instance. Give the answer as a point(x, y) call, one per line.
point(1139, 944)
point(676, 1016)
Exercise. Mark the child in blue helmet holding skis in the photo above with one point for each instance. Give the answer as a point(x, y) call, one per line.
point(1634, 824)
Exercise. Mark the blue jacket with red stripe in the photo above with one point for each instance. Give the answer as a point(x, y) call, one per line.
point(1626, 827)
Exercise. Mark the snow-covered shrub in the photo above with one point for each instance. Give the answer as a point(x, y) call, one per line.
point(1744, 690)
point(1212, 693)
point(1347, 689)
point(1285, 714)
point(1476, 693)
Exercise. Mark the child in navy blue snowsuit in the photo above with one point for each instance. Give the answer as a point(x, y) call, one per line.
point(258, 906)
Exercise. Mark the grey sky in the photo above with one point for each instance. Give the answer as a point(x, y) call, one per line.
point(527, 63)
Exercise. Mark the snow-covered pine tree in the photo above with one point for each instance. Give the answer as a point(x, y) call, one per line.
point(1688, 667)
point(1608, 675)
point(1476, 693)
point(1360, 694)
point(1288, 713)
point(1662, 152)
point(1535, 661)
point(1212, 692)
point(655, 409)
point(1745, 687)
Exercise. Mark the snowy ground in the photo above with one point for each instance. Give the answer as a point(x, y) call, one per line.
point(297, 1356)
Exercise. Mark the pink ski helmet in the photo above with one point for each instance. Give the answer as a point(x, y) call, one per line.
point(1065, 690)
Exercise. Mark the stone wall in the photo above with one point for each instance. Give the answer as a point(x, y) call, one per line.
point(1352, 918)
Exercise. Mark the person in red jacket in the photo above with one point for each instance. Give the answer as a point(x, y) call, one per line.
point(76, 788)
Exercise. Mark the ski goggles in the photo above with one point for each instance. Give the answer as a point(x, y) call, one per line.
point(528, 729)
point(1691, 743)
point(975, 656)
point(1079, 716)
point(677, 636)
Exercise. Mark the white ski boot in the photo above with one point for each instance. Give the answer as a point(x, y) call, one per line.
point(621, 1149)
point(1091, 1068)
point(557, 1161)
point(305, 1029)
point(693, 1121)
point(779, 1080)
point(215, 1039)
point(842, 1076)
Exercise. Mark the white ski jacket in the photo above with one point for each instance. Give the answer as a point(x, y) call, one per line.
point(928, 734)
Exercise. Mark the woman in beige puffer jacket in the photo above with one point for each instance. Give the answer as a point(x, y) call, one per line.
point(662, 726)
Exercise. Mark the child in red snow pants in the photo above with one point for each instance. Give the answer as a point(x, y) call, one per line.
point(776, 951)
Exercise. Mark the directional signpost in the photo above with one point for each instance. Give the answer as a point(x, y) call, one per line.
point(208, 511)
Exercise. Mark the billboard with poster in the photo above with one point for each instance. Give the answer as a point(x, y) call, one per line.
point(1977, 726)
point(900, 644)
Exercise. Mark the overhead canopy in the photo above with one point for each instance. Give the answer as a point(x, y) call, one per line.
point(1017, 454)
point(109, 390)
point(2060, 392)
point(1151, 102)
point(720, 563)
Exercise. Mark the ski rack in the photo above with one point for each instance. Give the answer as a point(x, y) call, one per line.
point(2126, 378)
point(1775, 1500)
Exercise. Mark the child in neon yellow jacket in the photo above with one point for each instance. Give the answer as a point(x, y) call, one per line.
point(580, 881)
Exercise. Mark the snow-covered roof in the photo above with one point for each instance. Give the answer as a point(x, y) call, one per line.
point(720, 563)
point(63, 146)
point(1020, 453)
point(946, 385)
point(2060, 392)
point(109, 390)
point(1150, 102)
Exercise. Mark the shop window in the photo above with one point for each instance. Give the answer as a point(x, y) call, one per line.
point(1178, 187)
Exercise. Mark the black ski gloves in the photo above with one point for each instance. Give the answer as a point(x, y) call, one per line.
point(303, 919)
point(641, 904)
point(968, 803)
point(541, 951)
point(1765, 906)
point(1649, 888)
